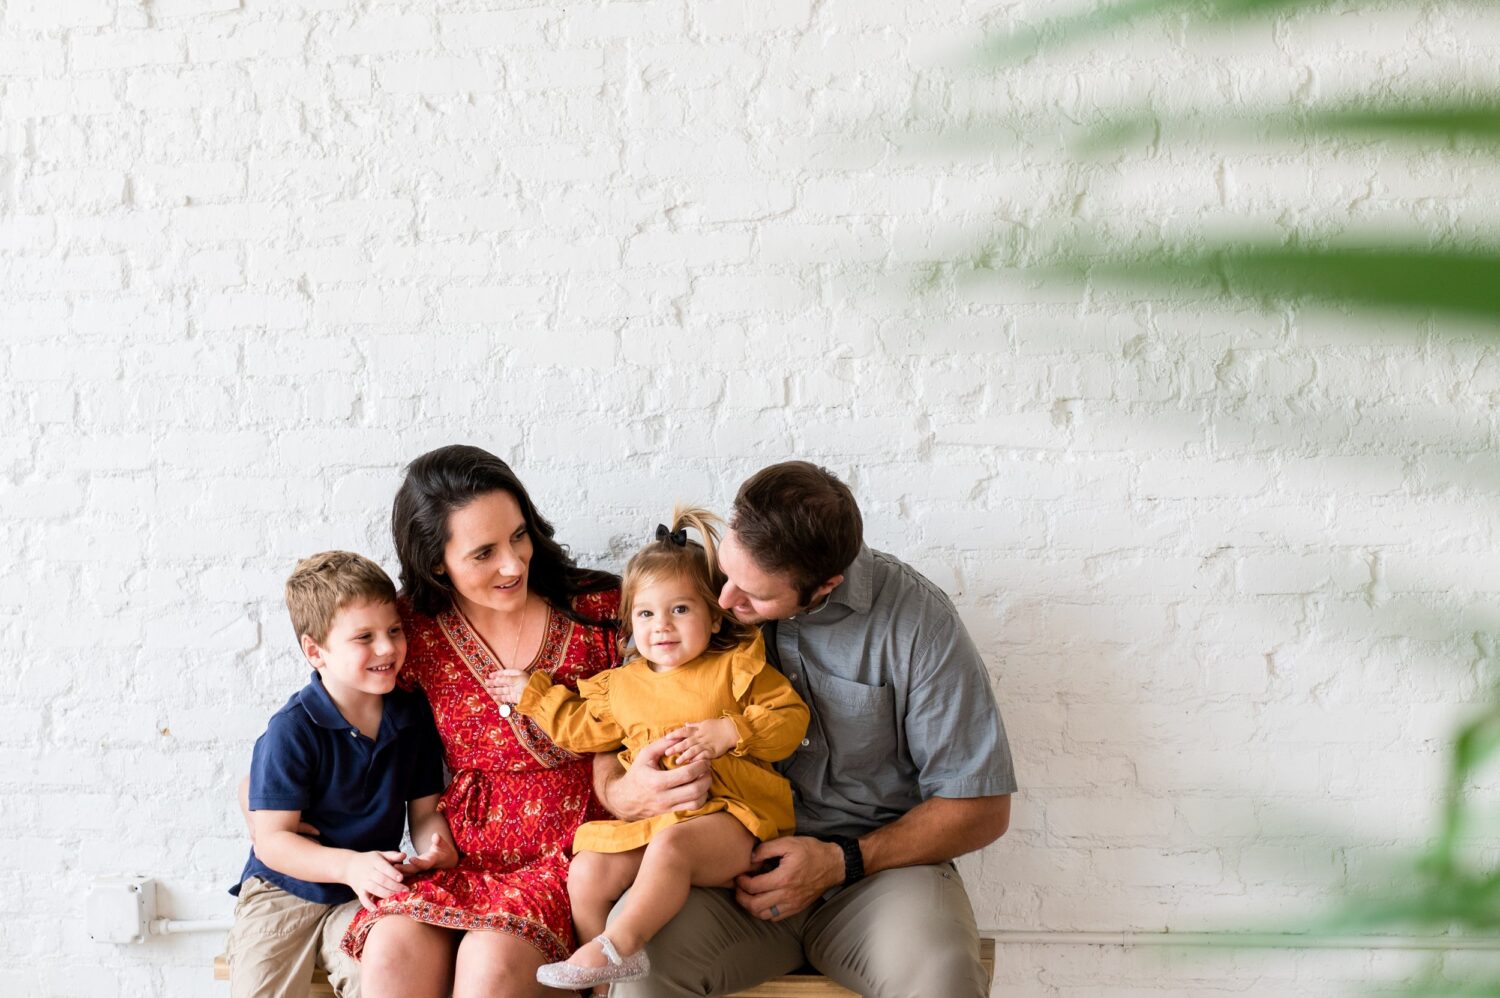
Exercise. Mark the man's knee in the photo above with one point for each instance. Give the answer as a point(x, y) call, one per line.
point(902, 934)
point(713, 947)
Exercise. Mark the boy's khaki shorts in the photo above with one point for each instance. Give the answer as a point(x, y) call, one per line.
point(278, 939)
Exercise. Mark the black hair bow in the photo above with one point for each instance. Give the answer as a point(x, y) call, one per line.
point(678, 537)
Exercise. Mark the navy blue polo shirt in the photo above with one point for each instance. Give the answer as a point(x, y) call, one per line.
point(353, 790)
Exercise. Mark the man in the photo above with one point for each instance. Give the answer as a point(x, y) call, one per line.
point(905, 766)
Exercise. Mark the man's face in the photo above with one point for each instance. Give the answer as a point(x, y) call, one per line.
point(752, 594)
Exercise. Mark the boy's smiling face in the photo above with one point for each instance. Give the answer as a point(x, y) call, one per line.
point(363, 652)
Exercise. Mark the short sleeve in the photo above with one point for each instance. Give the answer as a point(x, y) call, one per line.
point(283, 765)
point(953, 726)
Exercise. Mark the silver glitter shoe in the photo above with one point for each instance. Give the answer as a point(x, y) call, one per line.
point(571, 977)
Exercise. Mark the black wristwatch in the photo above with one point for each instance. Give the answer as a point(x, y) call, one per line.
point(854, 860)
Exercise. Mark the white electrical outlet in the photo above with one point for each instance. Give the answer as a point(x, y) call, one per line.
point(120, 909)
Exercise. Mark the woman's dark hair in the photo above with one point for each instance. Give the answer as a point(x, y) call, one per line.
point(449, 478)
point(798, 519)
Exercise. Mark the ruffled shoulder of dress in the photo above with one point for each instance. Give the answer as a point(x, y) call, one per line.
point(595, 689)
point(746, 661)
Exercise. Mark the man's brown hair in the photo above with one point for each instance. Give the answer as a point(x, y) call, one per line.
point(799, 520)
point(322, 585)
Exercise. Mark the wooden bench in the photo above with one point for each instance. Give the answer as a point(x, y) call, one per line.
point(801, 984)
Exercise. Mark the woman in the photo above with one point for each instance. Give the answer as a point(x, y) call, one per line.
point(485, 588)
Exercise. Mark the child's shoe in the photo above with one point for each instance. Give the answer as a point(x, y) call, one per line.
point(571, 977)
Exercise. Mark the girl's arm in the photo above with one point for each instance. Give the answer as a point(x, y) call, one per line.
point(769, 724)
point(372, 875)
point(429, 826)
point(579, 722)
point(772, 718)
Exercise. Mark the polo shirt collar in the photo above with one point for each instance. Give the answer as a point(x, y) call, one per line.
point(857, 589)
point(399, 711)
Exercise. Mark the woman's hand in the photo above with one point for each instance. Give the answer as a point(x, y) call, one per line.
point(439, 856)
point(507, 685)
point(704, 740)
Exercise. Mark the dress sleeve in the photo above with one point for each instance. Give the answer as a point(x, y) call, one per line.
point(579, 722)
point(770, 717)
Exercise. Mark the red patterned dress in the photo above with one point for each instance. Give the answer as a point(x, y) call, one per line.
point(516, 798)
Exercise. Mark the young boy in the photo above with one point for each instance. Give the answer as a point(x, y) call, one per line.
point(351, 756)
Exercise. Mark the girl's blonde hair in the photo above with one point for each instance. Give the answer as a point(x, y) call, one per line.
point(664, 557)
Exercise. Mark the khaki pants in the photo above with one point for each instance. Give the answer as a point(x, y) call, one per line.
point(905, 933)
point(278, 939)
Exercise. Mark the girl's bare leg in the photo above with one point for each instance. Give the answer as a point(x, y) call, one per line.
point(709, 851)
point(595, 882)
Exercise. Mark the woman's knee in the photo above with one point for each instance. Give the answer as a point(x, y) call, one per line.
point(396, 944)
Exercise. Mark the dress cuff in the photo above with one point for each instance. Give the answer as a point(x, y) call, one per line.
point(742, 728)
point(536, 688)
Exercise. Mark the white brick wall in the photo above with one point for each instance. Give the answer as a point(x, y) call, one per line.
point(1231, 568)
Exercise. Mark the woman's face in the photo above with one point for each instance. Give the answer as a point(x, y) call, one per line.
point(488, 553)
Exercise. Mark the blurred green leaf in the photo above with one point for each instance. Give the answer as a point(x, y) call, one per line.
point(1449, 122)
point(1442, 280)
point(1010, 50)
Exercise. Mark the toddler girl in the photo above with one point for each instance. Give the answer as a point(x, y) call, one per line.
point(694, 673)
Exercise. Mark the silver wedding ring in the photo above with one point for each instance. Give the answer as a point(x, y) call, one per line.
point(775, 911)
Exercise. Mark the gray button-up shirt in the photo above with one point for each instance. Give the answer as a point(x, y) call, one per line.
point(902, 708)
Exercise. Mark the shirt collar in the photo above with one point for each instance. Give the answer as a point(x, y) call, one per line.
point(399, 710)
point(859, 580)
point(319, 705)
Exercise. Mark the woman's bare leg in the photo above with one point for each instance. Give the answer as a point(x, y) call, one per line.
point(709, 851)
point(497, 965)
point(404, 958)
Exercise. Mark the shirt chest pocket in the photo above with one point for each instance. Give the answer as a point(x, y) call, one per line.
point(858, 721)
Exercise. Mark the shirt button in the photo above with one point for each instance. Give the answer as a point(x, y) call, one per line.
point(806, 742)
point(792, 676)
point(354, 732)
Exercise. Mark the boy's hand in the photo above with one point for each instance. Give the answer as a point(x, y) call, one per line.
point(507, 685)
point(373, 875)
point(439, 856)
point(704, 740)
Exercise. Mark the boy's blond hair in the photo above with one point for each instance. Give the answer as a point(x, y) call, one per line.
point(325, 583)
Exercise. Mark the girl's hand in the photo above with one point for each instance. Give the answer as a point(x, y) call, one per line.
point(705, 740)
point(373, 875)
point(507, 685)
point(439, 856)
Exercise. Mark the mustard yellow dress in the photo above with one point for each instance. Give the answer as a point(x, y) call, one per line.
point(634, 706)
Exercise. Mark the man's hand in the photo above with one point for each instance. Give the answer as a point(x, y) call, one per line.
point(373, 875)
point(647, 788)
point(808, 867)
point(704, 740)
point(440, 855)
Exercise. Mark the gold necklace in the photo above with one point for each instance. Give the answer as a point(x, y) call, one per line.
point(515, 649)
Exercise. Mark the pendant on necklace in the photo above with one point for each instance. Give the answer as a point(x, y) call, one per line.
point(505, 710)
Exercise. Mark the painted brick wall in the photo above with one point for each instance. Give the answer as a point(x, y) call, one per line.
point(1231, 566)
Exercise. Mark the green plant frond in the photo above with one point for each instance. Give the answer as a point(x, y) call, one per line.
point(1450, 281)
point(1422, 123)
point(1477, 121)
point(1013, 49)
